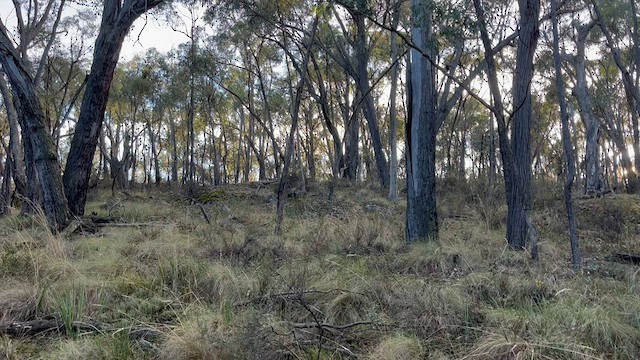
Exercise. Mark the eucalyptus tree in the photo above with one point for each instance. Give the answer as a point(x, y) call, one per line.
point(593, 176)
point(528, 33)
point(422, 127)
point(117, 18)
point(191, 27)
point(173, 99)
point(356, 66)
point(15, 157)
point(630, 84)
point(438, 48)
point(566, 139)
point(393, 108)
point(41, 160)
point(249, 70)
point(302, 69)
point(516, 196)
point(154, 77)
point(41, 144)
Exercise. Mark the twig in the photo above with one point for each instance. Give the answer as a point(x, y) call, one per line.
point(33, 327)
point(331, 326)
point(136, 224)
point(288, 294)
point(204, 213)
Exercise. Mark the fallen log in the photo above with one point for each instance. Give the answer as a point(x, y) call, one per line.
point(34, 327)
point(624, 258)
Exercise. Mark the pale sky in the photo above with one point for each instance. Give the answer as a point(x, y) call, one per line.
point(147, 32)
point(147, 35)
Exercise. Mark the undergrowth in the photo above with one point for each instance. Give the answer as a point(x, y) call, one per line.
point(200, 275)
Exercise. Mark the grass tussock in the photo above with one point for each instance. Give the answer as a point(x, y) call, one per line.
point(199, 274)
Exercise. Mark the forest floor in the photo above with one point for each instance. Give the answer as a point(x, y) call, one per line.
point(164, 281)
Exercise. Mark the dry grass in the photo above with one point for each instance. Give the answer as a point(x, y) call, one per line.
point(339, 283)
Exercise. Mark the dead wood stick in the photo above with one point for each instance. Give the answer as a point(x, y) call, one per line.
point(331, 326)
point(204, 213)
point(289, 294)
point(33, 327)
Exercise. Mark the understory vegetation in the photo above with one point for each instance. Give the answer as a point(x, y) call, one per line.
point(198, 274)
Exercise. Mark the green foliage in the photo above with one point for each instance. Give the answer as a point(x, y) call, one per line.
point(116, 347)
point(71, 306)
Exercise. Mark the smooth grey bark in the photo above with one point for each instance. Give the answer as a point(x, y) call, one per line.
point(566, 142)
point(117, 18)
point(422, 217)
point(217, 178)
point(15, 143)
point(247, 149)
point(5, 190)
point(462, 149)
point(593, 179)
point(493, 172)
point(236, 174)
point(351, 137)
point(393, 111)
point(154, 160)
point(298, 151)
point(191, 110)
point(310, 144)
point(44, 155)
point(50, 41)
point(174, 148)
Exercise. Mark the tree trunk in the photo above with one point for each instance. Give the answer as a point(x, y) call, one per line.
point(5, 191)
point(368, 105)
point(352, 140)
point(632, 94)
point(566, 142)
point(295, 111)
point(311, 147)
point(44, 154)
point(117, 18)
point(521, 128)
point(323, 103)
point(592, 156)
point(517, 213)
point(247, 151)
point(236, 176)
point(393, 111)
point(15, 145)
point(191, 165)
point(269, 118)
point(422, 217)
point(174, 148)
point(493, 172)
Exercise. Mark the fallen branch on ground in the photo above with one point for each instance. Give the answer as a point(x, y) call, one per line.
point(624, 258)
point(41, 326)
point(331, 326)
point(267, 297)
point(34, 327)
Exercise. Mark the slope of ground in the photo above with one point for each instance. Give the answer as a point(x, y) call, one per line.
point(200, 275)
